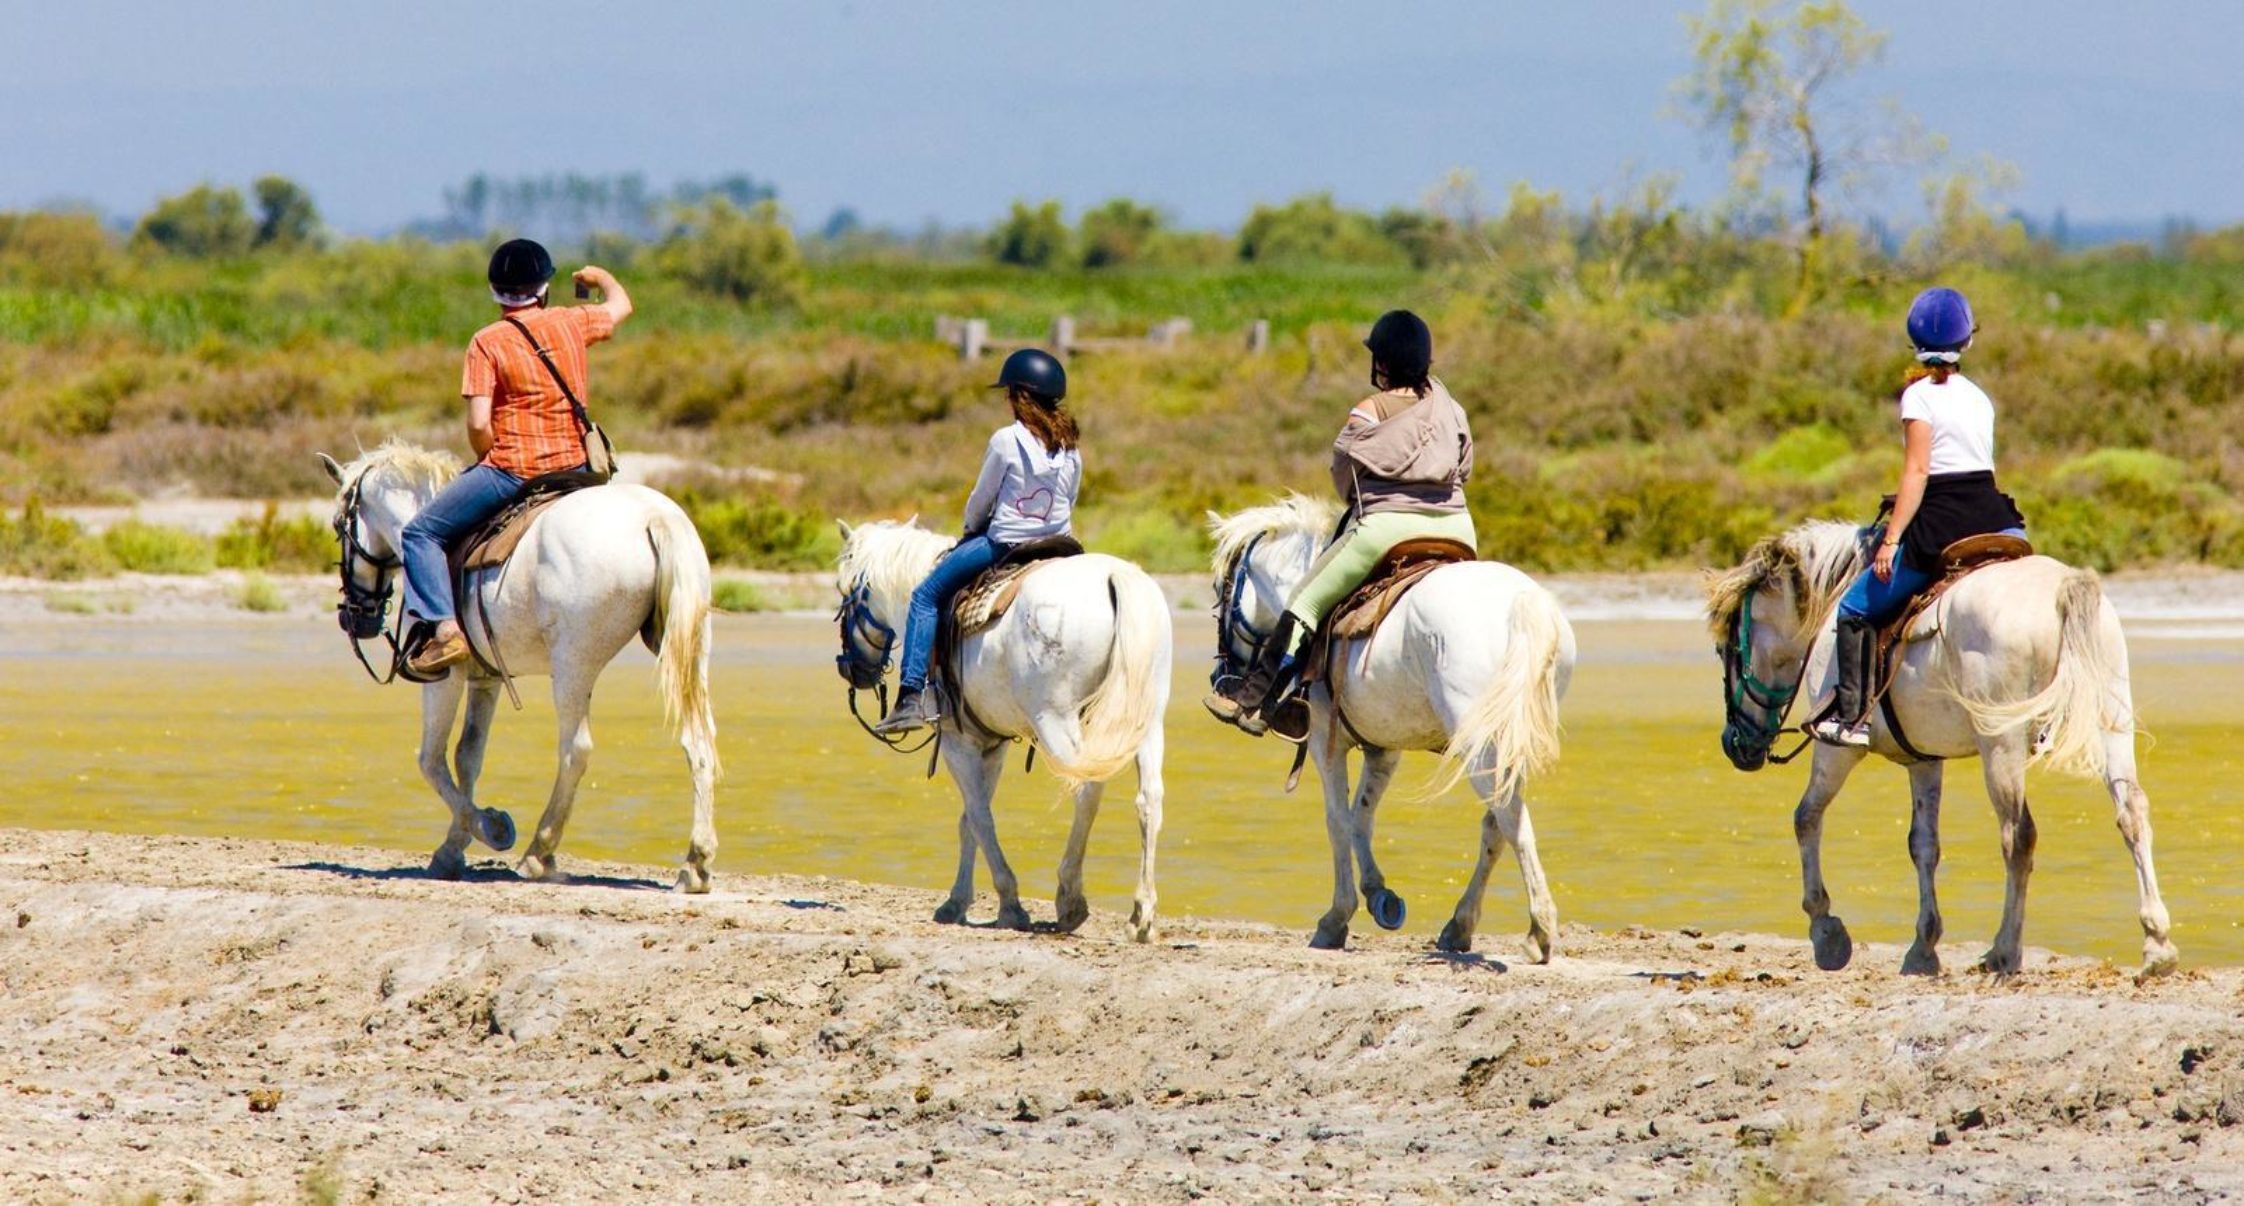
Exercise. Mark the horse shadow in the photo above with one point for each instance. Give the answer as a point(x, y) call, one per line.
point(1466, 961)
point(486, 872)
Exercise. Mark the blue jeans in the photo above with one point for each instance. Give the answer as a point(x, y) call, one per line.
point(472, 497)
point(1878, 602)
point(961, 565)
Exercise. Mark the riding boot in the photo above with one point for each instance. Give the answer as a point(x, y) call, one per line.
point(1854, 649)
point(916, 708)
point(1239, 701)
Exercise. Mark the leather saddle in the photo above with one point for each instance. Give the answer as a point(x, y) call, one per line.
point(1957, 562)
point(984, 601)
point(491, 543)
point(1360, 613)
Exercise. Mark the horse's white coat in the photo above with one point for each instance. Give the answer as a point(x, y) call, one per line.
point(596, 569)
point(1079, 664)
point(1471, 663)
point(2019, 662)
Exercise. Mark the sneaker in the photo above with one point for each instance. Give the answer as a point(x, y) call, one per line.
point(915, 709)
point(439, 653)
point(1837, 732)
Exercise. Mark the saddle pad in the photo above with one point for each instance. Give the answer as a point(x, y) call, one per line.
point(494, 542)
point(984, 600)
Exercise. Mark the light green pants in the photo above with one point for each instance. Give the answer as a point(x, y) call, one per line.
point(1350, 559)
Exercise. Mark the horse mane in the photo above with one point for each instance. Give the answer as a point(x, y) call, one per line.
point(1291, 516)
point(892, 555)
point(421, 468)
point(1818, 559)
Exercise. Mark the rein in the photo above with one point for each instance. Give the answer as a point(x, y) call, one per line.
point(1740, 686)
point(862, 671)
point(1232, 623)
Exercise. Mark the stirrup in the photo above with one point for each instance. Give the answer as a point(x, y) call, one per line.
point(1833, 731)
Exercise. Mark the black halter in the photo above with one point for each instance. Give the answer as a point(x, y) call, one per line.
point(364, 607)
point(1232, 624)
point(867, 644)
point(1747, 738)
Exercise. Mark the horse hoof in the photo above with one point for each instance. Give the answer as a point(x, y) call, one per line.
point(950, 912)
point(1012, 917)
point(494, 828)
point(1995, 964)
point(1538, 944)
point(693, 881)
point(534, 868)
point(1329, 938)
point(1387, 909)
point(1456, 938)
point(1141, 924)
point(448, 864)
point(1072, 915)
point(1920, 961)
point(2159, 958)
point(1833, 946)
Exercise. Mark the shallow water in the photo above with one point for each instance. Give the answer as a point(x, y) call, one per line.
point(267, 729)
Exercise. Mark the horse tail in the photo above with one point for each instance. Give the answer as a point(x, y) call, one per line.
point(1512, 724)
point(1127, 702)
point(2068, 714)
point(681, 622)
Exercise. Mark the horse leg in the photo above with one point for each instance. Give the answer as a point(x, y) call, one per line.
point(1379, 769)
point(1332, 772)
point(1074, 910)
point(2004, 762)
point(1149, 801)
point(1457, 936)
point(1923, 958)
point(493, 827)
point(440, 703)
point(1826, 932)
point(701, 846)
point(976, 773)
point(2159, 953)
point(572, 705)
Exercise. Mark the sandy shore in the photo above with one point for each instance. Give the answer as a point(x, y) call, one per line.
point(218, 1019)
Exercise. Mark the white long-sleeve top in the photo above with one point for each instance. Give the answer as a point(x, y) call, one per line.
point(1024, 492)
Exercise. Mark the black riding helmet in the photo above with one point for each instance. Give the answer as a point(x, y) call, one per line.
point(1036, 371)
point(520, 266)
point(1401, 342)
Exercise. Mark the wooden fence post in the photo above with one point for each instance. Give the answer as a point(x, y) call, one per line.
point(1258, 337)
point(1063, 335)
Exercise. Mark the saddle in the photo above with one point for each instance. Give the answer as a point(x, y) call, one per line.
point(490, 544)
point(1957, 561)
point(984, 601)
point(1359, 614)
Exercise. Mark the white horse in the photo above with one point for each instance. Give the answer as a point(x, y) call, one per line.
point(595, 569)
point(1471, 663)
point(2020, 661)
point(1079, 665)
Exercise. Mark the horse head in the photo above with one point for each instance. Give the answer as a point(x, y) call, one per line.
point(1261, 555)
point(375, 496)
point(880, 564)
point(1764, 616)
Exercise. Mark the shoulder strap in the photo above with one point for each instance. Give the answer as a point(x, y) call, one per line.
point(584, 420)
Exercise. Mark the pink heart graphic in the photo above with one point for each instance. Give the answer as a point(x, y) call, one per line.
point(1029, 506)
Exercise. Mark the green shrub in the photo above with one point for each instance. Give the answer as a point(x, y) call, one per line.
point(35, 544)
point(296, 544)
point(746, 255)
point(761, 533)
point(146, 548)
point(259, 593)
point(1802, 453)
point(1157, 540)
point(737, 595)
point(1030, 238)
point(201, 223)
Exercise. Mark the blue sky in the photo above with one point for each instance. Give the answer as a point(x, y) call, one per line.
point(909, 112)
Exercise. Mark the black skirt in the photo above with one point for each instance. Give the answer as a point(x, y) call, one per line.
point(1956, 505)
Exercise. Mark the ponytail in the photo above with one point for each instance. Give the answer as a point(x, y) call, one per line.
point(1052, 424)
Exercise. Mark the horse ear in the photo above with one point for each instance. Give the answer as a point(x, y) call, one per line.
point(846, 530)
point(913, 522)
point(333, 470)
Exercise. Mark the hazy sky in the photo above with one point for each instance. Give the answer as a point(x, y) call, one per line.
point(915, 111)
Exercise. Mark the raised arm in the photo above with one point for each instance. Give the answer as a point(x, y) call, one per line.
point(613, 299)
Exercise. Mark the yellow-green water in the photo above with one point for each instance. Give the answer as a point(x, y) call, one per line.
point(268, 730)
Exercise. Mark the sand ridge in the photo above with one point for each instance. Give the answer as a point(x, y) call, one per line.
point(231, 1018)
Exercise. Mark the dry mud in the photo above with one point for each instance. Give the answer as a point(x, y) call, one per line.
point(228, 1020)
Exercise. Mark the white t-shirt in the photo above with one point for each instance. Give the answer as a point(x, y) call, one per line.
point(1962, 419)
point(1024, 492)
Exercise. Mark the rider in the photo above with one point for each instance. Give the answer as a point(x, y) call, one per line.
point(1400, 464)
point(1030, 474)
point(1947, 493)
point(519, 423)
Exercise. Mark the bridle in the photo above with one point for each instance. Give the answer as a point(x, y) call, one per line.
point(364, 607)
point(1232, 624)
point(867, 644)
point(1747, 738)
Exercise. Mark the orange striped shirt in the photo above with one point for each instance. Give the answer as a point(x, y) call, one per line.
point(533, 428)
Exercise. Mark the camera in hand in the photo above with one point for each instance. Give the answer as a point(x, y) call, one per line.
point(584, 291)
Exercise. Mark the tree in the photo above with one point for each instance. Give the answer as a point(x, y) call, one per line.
point(203, 223)
point(748, 254)
point(286, 217)
point(1312, 228)
point(55, 249)
point(1031, 238)
point(1119, 232)
point(1768, 79)
point(1963, 228)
